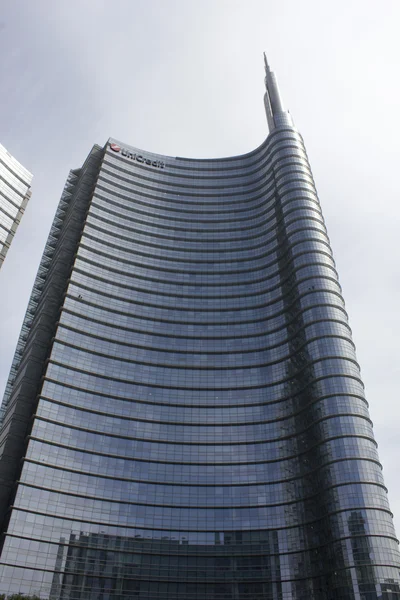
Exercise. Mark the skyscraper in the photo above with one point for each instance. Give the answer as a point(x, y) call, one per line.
point(15, 182)
point(185, 418)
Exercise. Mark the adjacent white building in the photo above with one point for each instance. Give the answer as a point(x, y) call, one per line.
point(15, 183)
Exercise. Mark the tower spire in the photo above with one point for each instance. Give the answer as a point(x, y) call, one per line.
point(272, 99)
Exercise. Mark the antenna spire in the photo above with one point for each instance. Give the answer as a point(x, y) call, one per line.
point(272, 99)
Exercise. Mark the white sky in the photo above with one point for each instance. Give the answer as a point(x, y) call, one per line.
point(185, 77)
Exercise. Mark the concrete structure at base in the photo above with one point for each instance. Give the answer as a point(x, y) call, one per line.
point(185, 418)
point(15, 183)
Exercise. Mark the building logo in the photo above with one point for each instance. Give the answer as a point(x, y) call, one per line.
point(137, 157)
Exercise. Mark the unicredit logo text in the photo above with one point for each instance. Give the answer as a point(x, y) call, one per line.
point(137, 157)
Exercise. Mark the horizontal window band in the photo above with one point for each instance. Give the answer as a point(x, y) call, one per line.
point(174, 484)
point(111, 436)
point(166, 335)
point(268, 161)
point(237, 388)
point(304, 370)
point(291, 156)
point(178, 200)
point(112, 184)
point(8, 215)
point(163, 461)
point(205, 352)
point(4, 228)
point(292, 311)
point(309, 360)
point(226, 531)
point(317, 258)
point(13, 189)
point(280, 170)
point(4, 197)
point(160, 190)
point(292, 316)
point(236, 324)
point(211, 584)
point(9, 168)
point(287, 152)
point(286, 275)
point(252, 548)
point(269, 443)
point(248, 404)
point(208, 248)
point(214, 261)
point(224, 424)
point(212, 577)
point(271, 145)
point(289, 503)
point(163, 222)
point(156, 234)
point(264, 207)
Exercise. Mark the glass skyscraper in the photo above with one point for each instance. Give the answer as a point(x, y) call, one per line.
point(185, 418)
point(15, 183)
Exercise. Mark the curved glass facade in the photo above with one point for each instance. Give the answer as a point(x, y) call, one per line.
point(199, 425)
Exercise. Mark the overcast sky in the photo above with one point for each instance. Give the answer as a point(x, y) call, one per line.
point(185, 77)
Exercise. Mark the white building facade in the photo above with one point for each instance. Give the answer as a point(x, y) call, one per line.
point(15, 184)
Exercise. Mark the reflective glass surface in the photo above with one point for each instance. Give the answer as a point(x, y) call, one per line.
point(201, 430)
